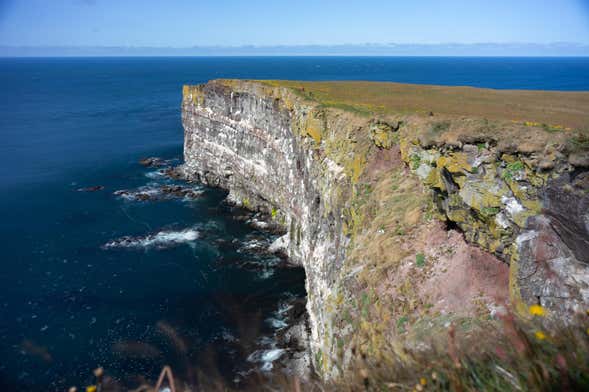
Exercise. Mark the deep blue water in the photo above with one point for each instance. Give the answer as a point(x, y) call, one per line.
point(66, 303)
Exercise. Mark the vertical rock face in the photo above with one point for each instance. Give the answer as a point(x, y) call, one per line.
point(356, 196)
point(243, 141)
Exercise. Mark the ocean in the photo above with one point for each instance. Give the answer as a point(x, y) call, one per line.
point(92, 277)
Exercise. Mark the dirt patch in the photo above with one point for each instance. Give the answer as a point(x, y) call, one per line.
point(383, 161)
point(464, 279)
point(442, 274)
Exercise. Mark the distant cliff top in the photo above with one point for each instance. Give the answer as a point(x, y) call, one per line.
point(553, 108)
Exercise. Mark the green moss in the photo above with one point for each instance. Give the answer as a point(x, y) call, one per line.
point(490, 211)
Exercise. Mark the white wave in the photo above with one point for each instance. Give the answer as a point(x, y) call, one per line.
point(272, 355)
point(155, 175)
point(277, 323)
point(161, 239)
point(146, 192)
point(266, 357)
point(253, 245)
point(265, 274)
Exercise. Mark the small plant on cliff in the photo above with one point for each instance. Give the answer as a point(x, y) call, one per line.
point(579, 142)
point(440, 126)
point(401, 323)
point(512, 169)
point(415, 161)
point(420, 260)
point(490, 211)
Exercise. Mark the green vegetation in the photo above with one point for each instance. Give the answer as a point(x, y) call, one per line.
point(579, 142)
point(420, 260)
point(440, 126)
point(415, 161)
point(401, 323)
point(490, 211)
point(512, 169)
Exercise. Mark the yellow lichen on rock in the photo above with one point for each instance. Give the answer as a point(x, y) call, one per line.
point(454, 162)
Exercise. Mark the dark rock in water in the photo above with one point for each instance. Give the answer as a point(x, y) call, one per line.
point(91, 188)
point(159, 193)
point(152, 162)
point(295, 339)
point(298, 309)
point(174, 172)
point(180, 191)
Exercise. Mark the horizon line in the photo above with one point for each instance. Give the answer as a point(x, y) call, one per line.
point(483, 49)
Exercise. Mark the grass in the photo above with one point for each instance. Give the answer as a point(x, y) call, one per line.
point(506, 354)
point(420, 260)
point(567, 109)
point(510, 354)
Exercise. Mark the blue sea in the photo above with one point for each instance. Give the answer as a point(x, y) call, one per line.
point(92, 278)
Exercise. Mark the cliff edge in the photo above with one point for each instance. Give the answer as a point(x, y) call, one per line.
point(408, 206)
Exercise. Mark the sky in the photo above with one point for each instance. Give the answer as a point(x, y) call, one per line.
point(188, 23)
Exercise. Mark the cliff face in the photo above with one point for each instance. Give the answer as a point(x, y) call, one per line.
point(367, 202)
point(248, 141)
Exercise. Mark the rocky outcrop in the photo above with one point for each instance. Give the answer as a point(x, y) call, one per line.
point(530, 208)
point(340, 183)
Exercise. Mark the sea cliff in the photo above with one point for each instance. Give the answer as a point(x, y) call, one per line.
point(405, 209)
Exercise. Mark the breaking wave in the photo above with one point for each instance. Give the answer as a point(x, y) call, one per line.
point(162, 239)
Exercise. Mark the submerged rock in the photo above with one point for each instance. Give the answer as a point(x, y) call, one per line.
point(152, 162)
point(160, 192)
point(91, 188)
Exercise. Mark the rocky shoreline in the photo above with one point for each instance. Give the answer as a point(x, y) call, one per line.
point(291, 339)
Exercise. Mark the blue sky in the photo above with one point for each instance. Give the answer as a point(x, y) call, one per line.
point(182, 23)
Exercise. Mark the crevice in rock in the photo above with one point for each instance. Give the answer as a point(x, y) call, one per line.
point(451, 225)
point(451, 186)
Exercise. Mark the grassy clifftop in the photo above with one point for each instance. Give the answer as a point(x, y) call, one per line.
point(553, 108)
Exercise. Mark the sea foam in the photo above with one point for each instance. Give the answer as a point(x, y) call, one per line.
point(162, 239)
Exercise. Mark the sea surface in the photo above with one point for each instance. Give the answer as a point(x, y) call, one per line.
point(91, 278)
